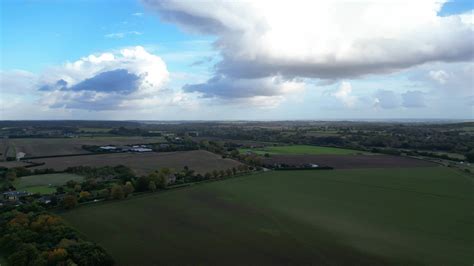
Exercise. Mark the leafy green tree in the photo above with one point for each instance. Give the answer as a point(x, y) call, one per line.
point(84, 195)
point(71, 183)
point(142, 183)
point(70, 201)
point(152, 186)
point(77, 187)
point(104, 193)
point(26, 254)
point(221, 173)
point(162, 181)
point(117, 192)
point(11, 174)
point(165, 171)
point(128, 188)
point(57, 256)
point(88, 253)
point(470, 157)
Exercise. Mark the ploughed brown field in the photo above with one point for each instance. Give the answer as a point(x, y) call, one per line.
point(348, 161)
point(144, 163)
point(11, 164)
point(65, 146)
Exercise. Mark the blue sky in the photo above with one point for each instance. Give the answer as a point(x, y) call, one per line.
point(37, 34)
point(211, 65)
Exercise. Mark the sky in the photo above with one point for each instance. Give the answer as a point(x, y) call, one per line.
point(236, 60)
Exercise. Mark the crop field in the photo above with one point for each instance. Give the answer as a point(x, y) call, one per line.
point(300, 149)
point(144, 163)
point(400, 216)
point(44, 184)
point(348, 161)
point(11, 164)
point(63, 146)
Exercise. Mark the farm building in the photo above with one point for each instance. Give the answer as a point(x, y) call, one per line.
point(108, 148)
point(15, 195)
point(20, 155)
point(140, 149)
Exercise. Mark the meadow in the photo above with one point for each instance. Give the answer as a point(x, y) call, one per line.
point(399, 216)
point(44, 184)
point(300, 149)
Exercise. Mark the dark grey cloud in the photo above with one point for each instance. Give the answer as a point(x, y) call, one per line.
point(59, 85)
point(225, 87)
point(119, 81)
point(90, 100)
point(104, 91)
point(114, 81)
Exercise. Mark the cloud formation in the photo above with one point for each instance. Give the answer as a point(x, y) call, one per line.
point(121, 35)
point(321, 39)
point(344, 94)
point(106, 81)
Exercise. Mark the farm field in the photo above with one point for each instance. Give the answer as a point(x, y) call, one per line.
point(348, 161)
point(402, 216)
point(64, 146)
point(144, 163)
point(11, 164)
point(300, 149)
point(44, 183)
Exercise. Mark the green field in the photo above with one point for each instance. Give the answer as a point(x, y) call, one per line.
point(44, 184)
point(339, 217)
point(300, 149)
point(3, 261)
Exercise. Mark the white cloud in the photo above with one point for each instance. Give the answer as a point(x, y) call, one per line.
point(323, 39)
point(439, 75)
point(105, 81)
point(343, 94)
point(137, 14)
point(121, 35)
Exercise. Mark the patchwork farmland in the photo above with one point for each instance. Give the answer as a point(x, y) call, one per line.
point(237, 195)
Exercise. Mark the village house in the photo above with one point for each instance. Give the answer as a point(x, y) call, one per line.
point(15, 195)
